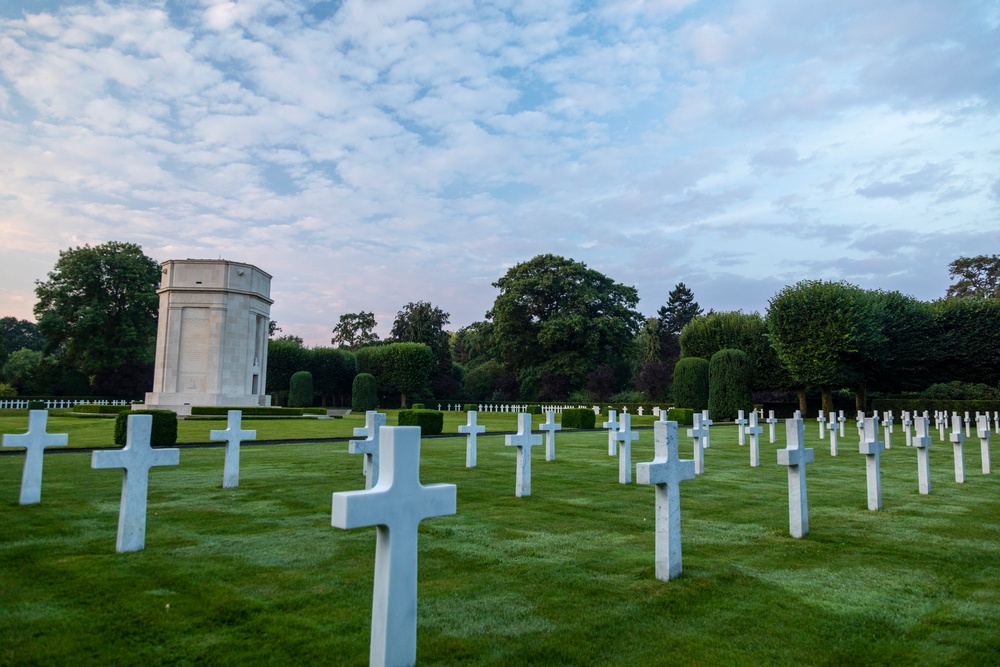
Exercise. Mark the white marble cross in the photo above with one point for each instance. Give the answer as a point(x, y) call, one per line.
point(369, 447)
point(626, 436)
point(796, 456)
point(698, 433)
point(34, 442)
point(907, 423)
point(833, 439)
point(968, 422)
point(942, 419)
point(471, 429)
point(841, 419)
point(666, 471)
point(741, 423)
point(550, 427)
point(888, 429)
point(233, 435)
point(395, 505)
point(612, 427)
point(524, 441)
point(983, 431)
point(640, 410)
point(706, 423)
point(771, 421)
point(872, 448)
point(861, 427)
point(958, 439)
point(821, 419)
point(754, 431)
point(137, 457)
point(922, 441)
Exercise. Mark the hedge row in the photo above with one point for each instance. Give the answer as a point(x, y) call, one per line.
point(249, 411)
point(431, 422)
point(683, 416)
point(94, 408)
point(932, 405)
point(578, 418)
point(164, 433)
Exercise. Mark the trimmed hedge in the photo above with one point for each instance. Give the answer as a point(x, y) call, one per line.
point(164, 433)
point(471, 407)
point(418, 406)
point(314, 411)
point(730, 384)
point(248, 410)
point(300, 390)
point(578, 418)
point(431, 422)
point(683, 416)
point(534, 409)
point(36, 405)
point(364, 392)
point(898, 405)
point(691, 383)
point(96, 409)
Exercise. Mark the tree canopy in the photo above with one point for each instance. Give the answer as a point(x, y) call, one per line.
point(978, 277)
point(99, 306)
point(18, 334)
point(355, 330)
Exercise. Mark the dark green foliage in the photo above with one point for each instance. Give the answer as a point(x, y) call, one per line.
point(333, 372)
point(470, 407)
point(691, 383)
point(978, 277)
point(364, 392)
point(898, 405)
point(534, 409)
point(683, 416)
point(7, 391)
point(99, 306)
point(654, 380)
point(313, 411)
point(25, 371)
point(164, 433)
point(968, 348)
point(431, 422)
point(704, 336)
point(481, 381)
point(97, 409)
point(422, 322)
point(247, 410)
point(284, 358)
point(730, 384)
point(300, 390)
point(601, 382)
point(398, 367)
point(419, 406)
point(16, 334)
point(355, 330)
point(680, 309)
point(130, 380)
point(961, 391)
point(36, 405)
point(578, 418)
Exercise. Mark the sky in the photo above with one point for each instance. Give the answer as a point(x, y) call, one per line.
point(368, 154)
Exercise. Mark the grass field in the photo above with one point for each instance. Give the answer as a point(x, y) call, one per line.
point(256, 575)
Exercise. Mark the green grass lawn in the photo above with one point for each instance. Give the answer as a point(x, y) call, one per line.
point(256, 575)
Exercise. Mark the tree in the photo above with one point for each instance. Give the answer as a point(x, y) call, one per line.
point(554, 314)
point(300, 390)
point(355, 330)
point(333, 371)
point(422, 322)
point(99, 305)
point(680, 309)
point(648, 341)
point(707, 334)
point(730, 384)
point(402, 367)
point(470, 346)
point(978, 277)
point(967, 347)
point(364, 392)
point(284, 357)
point(19, 334)
point(691, 383)
point(481, 381)
point(25, 370)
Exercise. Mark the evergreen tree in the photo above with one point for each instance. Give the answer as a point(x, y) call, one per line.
point(680, 309)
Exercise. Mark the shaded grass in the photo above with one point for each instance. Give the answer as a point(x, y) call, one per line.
point(256, 575)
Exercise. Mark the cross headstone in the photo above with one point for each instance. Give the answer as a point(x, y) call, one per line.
point(771, 422)
point(550, 427)
point(663, 416)
point(907, 424)
point(796, 456)
point(833, 440)
point(612, 427)
point(888, 429)
point(922, 441)
point(471, 430)
point(861, 427)
point(968, 422)
point(233, 435)
point(640, 410)
point(369, 447)
point(666, 471)
point(524, 441)
point(841, 419)
point(958, 439)
point(626, 436)
point(983, 431)
point(395, 505)
point(656, 412)
point(821, 419)
point(754, 431)
point(741, 423)
point(706, 423)
point(941, 424)
point(698, 433)
point(872, 448)
point(34, 442)
point(137, 457)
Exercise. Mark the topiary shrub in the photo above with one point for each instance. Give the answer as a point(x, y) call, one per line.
point(431, 422)
point(470, 407)
point(418, 406)
point(98, 409)
point(164, 433)
point(683, 416)
point(578, 418)
point(691, 383)
point(730, 384)
point(364, 392)
point(300, 390)
point(36, 405)
point(534, 409)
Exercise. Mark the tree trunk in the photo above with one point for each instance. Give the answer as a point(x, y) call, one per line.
point(402, 400)
point(802, 401)
point(827, 400)
point(860, 397)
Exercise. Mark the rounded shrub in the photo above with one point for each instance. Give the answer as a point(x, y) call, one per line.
point(578, 418)
point(419, 406)
point(164, 433)
point(431, 422)
point(683, 416)
point(470, 407)
point(300, 390)
point(730, 384)
point(691, 383)
point(364, 392)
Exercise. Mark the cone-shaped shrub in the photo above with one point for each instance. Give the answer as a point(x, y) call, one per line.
point(364, 392)
point(691, 383)
point(300, 390)
point(730, 384)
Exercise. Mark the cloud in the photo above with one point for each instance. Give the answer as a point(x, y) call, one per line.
point(928, 178)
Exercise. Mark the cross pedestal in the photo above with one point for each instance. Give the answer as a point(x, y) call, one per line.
point(957, 440)
point(705, 424)
point(233, 435)
point(698, 432)
point(626, 436)
point(395, 505)
point(137, 457)
point(796, 456)
point(34, 442)
point(922, 441)
point(471, 430)
point(369, 447)
point(741, 423)
point(771, 422)
point(612, 427)
point(754, 432)
point(550, 427)
point(872, 448)
point(666, 471)
point(983, 431)
point(524, 441)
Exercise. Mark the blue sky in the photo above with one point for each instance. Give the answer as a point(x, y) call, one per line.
point(369, 154)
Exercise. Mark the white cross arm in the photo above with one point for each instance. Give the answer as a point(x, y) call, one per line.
point(379, 507)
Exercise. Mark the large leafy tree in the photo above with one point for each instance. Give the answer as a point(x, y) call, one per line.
point(355, 330)
point(99, 306)
point(555, 315)
point(19, 334)
point(400, 367)
point(423, 322)
point(977, 277)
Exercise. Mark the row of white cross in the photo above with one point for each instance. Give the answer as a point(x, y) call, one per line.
point(53, 403)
